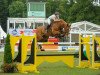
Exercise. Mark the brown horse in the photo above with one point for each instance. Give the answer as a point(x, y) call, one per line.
point(58, 29)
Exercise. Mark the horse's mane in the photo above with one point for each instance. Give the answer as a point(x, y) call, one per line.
point(60, 20)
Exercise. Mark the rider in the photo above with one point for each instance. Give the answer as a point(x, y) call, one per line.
point(53, 17)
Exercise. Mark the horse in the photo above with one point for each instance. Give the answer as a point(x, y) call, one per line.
point(57, 29)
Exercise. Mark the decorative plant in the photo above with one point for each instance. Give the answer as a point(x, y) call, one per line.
point(8, 66)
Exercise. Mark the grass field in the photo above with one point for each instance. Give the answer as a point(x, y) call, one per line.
point(58, 68)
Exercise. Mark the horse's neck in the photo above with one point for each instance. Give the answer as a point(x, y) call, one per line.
point(57, 23)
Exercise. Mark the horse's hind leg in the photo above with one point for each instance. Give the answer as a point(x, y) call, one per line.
point(40, 47)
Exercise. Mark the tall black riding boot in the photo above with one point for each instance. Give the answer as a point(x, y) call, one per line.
point(47, 28)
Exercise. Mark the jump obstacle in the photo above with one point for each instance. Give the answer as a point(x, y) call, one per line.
point(95, 55)
point(28, 63)
point(24, 63)
point(84, 51)
point(84, 56)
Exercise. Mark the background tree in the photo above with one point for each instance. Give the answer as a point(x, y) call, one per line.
point(96, 19)
point(63, 9)
point(4, 13)
point(82, 10)
point(8, 65)
point(17, 9)
point(70, 11)
point(51, 7)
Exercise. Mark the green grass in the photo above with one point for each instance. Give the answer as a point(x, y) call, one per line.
point(58, 68)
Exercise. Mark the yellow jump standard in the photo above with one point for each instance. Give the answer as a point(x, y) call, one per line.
point(84, 52)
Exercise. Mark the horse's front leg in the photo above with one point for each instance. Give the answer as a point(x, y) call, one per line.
point(39, 37)
point(55, 32)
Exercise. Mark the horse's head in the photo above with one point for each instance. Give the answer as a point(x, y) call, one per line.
point(64, 28)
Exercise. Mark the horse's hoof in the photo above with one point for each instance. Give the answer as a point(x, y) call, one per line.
point(42, 50)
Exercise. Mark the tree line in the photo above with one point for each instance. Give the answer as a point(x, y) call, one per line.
point(82, 10)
